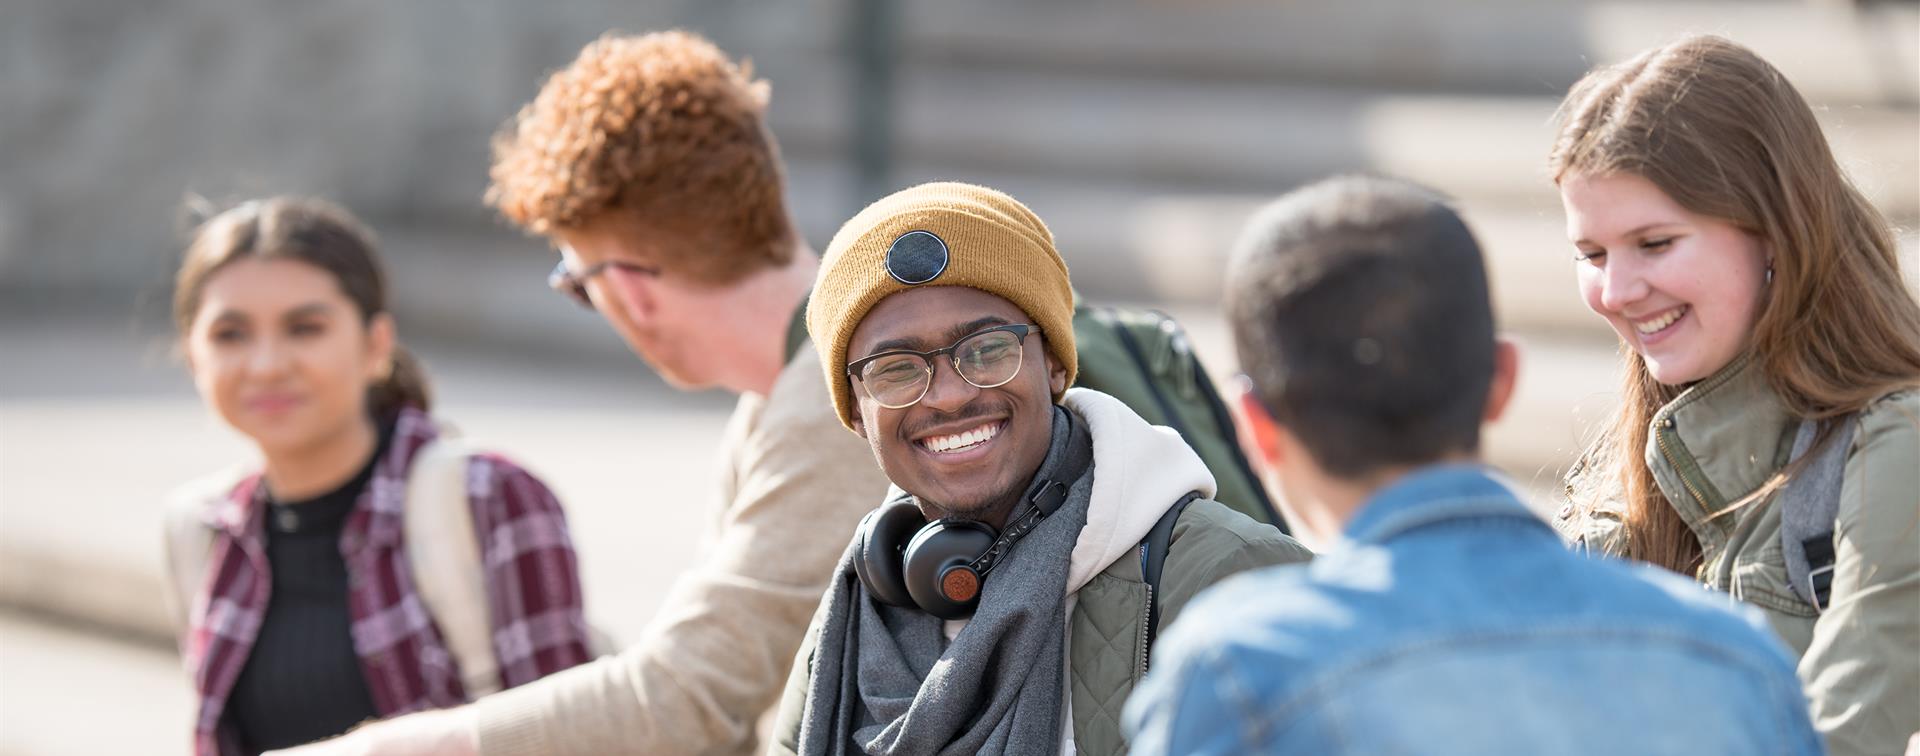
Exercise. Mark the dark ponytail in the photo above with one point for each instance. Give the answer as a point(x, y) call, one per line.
point(405, 386)
point(318, 233)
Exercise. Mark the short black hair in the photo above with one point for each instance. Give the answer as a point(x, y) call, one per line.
point(1360, 310)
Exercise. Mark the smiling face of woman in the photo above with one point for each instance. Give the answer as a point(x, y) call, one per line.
point(282, 355)
point(1683, 290)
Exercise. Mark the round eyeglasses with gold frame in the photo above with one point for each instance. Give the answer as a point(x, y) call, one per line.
point(987, 358)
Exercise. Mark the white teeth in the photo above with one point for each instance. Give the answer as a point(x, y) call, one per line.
point(1659, 324)
point(959, 441)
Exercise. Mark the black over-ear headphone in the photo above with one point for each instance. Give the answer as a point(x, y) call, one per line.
point(937, 567)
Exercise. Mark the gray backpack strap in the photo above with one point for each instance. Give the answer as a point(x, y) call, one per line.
point(1809, 504)
point(1153, 559)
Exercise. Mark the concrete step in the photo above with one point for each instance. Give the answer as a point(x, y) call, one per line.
point(1253, 136)
point(1836, 52)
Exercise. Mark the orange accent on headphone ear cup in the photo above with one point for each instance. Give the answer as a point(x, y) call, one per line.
point(960, 584)
point(880, 562)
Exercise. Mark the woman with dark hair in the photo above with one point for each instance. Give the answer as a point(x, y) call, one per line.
point(1767, 441)
point(366, 567)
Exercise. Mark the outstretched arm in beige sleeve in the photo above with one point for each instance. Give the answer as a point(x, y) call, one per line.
point(714, 660)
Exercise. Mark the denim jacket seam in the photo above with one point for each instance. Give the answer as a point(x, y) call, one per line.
point(1325, 680)
point(1443, 510)
point(1482, 523)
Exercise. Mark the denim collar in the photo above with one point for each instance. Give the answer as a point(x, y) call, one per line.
point(1436, 494)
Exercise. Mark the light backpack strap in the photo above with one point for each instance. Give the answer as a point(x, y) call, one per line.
point(190, 540)
point(1809, 504)
point(443, 550)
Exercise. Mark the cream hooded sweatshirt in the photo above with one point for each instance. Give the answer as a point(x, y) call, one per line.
point(1139, 471)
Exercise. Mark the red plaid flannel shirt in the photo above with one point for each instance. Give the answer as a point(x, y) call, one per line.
point(533, 589)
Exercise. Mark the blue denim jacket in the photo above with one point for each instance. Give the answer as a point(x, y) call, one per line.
point(1453, 621)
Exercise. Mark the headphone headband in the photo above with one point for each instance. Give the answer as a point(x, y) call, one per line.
point(1051, 495)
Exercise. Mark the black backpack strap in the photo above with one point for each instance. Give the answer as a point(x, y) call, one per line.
point(1808, 505)
point(796, 330)
point(1153, 559)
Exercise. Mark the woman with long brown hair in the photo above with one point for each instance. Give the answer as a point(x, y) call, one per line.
point(1767, 439)
point(366, 567)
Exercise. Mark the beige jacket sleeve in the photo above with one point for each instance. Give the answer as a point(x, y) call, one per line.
point(713, 661)
point(1862, 669)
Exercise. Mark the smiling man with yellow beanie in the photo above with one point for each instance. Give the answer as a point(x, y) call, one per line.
point(1004, 597)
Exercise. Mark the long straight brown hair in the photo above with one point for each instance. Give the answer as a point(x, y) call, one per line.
point(1725, 135)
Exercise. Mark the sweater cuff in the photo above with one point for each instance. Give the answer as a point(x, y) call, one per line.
point(509, 725)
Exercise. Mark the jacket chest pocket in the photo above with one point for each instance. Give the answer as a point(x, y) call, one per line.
point(1759, 577)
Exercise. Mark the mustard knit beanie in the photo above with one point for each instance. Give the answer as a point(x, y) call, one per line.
point(940, 234)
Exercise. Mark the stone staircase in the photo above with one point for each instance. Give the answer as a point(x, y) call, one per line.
point(1144, 132)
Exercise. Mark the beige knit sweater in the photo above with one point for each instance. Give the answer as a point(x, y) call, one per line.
point(794, 485)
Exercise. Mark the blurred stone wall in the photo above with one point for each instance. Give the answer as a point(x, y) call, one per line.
point(111, 111)
point(1143, 131)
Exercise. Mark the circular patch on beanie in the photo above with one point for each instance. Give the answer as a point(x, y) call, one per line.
point(916, 258)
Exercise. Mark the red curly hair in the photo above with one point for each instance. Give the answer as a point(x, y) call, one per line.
point(661, 134)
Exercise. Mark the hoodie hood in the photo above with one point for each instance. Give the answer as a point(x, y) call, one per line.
point(1140, 471)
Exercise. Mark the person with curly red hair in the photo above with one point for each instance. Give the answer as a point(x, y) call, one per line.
point(648, 164)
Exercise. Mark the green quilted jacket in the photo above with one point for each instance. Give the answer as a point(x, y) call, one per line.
point(1107, 651)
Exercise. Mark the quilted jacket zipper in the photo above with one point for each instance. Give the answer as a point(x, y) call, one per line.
point(1143, 643)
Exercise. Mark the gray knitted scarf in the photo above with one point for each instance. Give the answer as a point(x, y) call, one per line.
point(885, 681)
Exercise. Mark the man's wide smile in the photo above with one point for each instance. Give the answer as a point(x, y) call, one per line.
point(961, 444)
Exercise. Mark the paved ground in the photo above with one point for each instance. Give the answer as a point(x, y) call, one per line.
point(73, 692)
point(97, 421)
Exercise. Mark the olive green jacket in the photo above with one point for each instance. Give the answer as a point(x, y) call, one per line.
point(1721, 440)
